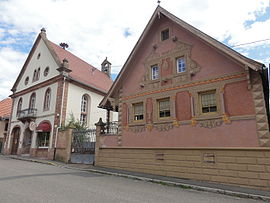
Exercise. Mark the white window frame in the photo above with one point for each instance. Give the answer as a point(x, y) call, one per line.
point(84, 109)
point(154, 72)
point(181, 65)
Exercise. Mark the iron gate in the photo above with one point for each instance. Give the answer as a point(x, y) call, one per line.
point(83, 146)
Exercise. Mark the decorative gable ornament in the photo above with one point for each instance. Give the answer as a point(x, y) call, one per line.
point(166, 62)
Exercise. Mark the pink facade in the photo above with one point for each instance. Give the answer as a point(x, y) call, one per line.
point(235, 135)
point(232, 86)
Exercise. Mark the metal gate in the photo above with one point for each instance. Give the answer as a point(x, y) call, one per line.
point(83, 146)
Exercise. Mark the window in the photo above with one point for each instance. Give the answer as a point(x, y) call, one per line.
point(34, 76)
point(208, 102)
point(38, 74)
point(46, 71)
point(84, 109)
point(138, 111)
point(38, 56)
point(47, 99)
point(155, 72)
point(181, 65)
point(165, 34)
point(32, 101)
point(43, 139)
point(26, 80)
point(6, 127)
point(19, 107)
point(164, 108)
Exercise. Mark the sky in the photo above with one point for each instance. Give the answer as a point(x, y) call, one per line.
point(95, 29)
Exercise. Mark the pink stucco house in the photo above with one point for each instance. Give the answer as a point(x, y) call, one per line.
point(181, 88)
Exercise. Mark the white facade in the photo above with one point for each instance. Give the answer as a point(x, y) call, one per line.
point(41, 115)
point(75, 94)
point(45, 60)
point(41, 58)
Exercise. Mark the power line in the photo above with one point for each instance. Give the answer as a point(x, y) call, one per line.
point(251, 42)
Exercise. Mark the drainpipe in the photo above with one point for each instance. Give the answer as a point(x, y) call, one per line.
point(60, 121)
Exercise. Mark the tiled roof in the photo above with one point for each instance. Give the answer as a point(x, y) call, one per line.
point(82, 71)
point(5, 107)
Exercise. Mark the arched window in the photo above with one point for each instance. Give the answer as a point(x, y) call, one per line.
point(38, 74)
point(84, 109)
point(47, 99)
point(35, 75)
point(19, 106)
point(32, 101)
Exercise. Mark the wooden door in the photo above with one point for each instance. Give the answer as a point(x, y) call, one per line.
point(15, 141)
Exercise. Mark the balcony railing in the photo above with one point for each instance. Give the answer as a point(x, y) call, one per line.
point(27, 114)
point(112, 128)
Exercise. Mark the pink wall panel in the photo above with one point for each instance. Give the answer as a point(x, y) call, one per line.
point(183, 106)
point(238, 99)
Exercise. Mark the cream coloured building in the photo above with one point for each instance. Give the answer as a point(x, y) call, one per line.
point(52, 86)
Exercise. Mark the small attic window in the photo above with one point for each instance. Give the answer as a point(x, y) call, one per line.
point(38, 56)
point(165, 34)
point(46, 71)
point(26, 80)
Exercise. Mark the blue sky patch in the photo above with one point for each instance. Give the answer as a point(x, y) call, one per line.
point(127, 32)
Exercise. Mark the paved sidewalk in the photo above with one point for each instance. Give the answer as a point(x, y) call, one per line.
point(183, 183)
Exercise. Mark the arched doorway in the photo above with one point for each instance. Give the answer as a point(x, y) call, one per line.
point(27, 139)
point(15, 140)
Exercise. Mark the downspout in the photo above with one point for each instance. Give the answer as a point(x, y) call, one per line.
point(60, 120)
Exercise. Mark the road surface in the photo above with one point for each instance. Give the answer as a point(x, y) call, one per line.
point(22, 181)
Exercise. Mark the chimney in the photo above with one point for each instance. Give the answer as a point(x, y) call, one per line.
point(106, 67)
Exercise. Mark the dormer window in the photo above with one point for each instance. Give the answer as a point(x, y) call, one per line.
point(181, 65)
point(155, 72)
point(165, 34)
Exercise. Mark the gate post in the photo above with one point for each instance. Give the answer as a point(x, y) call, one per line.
point(100, 127)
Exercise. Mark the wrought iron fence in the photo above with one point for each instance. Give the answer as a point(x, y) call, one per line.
point(83, 141)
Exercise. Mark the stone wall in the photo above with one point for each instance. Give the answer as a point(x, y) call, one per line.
point(246, 167)
point(63, 146)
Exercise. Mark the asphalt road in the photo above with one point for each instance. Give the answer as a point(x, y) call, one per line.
point(22, 181)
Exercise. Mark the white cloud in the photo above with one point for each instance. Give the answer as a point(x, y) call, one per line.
point(11, 62)
point(95, 29)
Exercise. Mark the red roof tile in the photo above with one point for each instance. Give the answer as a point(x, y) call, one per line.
point(82, 71)
point(5, 107)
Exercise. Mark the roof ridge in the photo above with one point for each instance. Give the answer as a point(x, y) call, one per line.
point(73, 55)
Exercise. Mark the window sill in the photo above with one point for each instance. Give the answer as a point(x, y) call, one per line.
point(137, 123)
point(43, 147)
point(208, 117)
point(168, 120)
